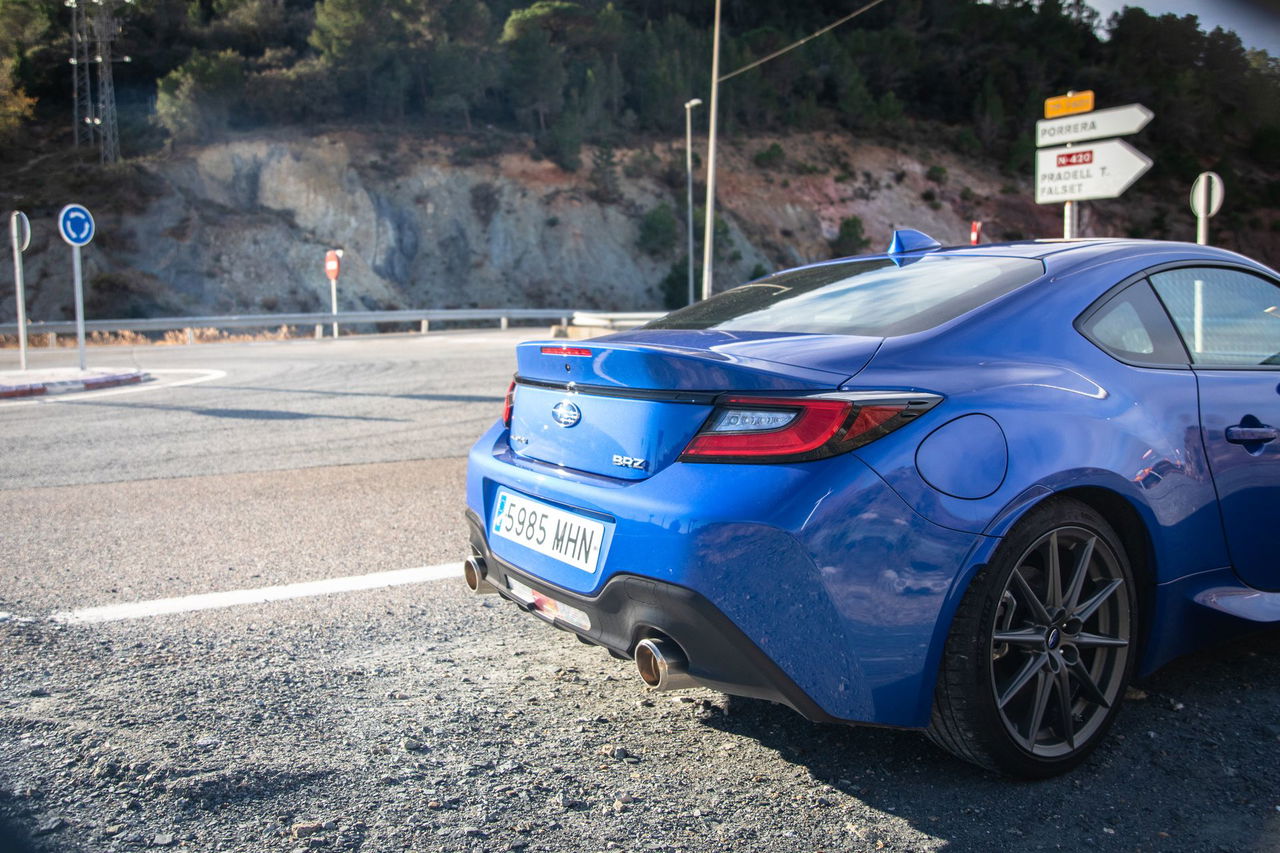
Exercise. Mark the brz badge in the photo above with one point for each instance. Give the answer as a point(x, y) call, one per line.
point(566, 414)
point(629, 462)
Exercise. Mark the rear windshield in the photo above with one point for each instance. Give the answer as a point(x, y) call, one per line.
point(875, 298)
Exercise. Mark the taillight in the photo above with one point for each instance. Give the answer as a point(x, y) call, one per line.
point(578, 352)
point(799, 429)
point(507, 402)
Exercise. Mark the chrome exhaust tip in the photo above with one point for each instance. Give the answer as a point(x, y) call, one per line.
point(473, 571)
point(662, 665)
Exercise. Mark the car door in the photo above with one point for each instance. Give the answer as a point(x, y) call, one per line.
point(1229, 320)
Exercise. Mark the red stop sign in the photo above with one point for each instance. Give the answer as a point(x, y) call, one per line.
point(332, 264)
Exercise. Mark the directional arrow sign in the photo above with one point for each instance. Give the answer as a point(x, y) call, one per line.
point(1099, 124)
point(1082, 172)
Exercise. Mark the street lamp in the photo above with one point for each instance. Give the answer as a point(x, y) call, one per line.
point(688, 167)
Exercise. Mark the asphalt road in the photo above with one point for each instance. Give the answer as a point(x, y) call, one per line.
point(419, 717)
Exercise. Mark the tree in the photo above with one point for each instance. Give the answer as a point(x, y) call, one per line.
point(458, 76)
point(372, 44)
point(535, 76)
point(194, 101)
point(15, 106)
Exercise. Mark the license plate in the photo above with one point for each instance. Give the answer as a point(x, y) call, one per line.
point(552, 532)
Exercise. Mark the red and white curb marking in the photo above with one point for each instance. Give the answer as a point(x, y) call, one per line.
point(66, 386)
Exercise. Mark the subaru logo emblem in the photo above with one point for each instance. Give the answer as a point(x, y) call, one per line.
point(566, 414)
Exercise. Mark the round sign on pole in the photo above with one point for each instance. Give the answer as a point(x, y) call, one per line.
point(20, 229)
point(332, 264)
point(75, 224)
point(1207, 194)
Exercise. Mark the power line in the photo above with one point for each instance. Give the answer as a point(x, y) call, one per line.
point(807, 38)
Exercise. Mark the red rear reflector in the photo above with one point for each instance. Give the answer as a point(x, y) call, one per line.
point(507, 402)
point(566, 351)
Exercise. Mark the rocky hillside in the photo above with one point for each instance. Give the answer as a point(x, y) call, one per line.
point(242, 226)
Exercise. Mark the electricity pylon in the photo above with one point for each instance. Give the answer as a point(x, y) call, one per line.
point(95, 20)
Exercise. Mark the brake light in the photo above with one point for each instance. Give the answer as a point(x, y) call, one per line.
point(576, 351)
point(799, 429)
point(507, 403)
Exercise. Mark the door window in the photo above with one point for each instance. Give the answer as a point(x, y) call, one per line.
point(1227, 318)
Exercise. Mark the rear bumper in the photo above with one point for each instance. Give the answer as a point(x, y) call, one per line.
point(629, 609)
point(824, 590)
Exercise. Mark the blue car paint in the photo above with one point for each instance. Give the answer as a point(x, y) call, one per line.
point(876, 558)
point(851, 630)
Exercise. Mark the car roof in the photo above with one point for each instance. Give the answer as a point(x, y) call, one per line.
point(1060, 256)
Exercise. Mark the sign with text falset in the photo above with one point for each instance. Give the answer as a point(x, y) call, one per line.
point(1102, 169)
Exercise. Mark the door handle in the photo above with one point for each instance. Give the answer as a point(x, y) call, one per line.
point(1251, 434)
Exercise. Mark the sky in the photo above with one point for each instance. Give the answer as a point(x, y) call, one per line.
point(1257, 22)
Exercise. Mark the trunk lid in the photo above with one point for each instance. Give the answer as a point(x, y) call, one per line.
point(625, 406)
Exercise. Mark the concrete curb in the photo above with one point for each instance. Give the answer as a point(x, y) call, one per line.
point(65, 386)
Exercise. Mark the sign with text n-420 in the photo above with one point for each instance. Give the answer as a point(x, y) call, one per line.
point(1096, 170)
point(75, 224)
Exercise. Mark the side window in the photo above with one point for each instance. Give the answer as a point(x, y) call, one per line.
point(1134, 328)
point(1227, 318)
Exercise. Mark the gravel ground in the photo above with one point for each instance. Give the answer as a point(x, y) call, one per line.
point(380, 722)
point(423, 718)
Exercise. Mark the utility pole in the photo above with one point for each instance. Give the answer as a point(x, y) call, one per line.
point(709, 223)
point(688, 170)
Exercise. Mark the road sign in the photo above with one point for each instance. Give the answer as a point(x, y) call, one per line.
point(1079, 173)
point(1206, 200)
point(1207, 194)
point(1098, 124)
point(75, 224)
point(20, 230)
point(1068, 104)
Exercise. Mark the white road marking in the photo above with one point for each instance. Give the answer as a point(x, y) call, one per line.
point(261, 595)
point(204, 376)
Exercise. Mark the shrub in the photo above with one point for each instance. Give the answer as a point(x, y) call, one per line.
point(658, 231)
point(851, 240)
point(937, 174)
point(771, 157)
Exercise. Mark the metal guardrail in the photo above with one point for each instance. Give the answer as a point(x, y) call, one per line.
point(616, 320)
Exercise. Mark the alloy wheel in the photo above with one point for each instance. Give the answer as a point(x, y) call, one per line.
point(1060, 642)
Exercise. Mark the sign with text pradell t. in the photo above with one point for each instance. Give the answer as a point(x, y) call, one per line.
point(1081, 172)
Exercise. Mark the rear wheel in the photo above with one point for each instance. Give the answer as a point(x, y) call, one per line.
point(1041, 648)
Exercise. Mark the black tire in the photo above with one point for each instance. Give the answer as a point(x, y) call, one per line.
point(1032, 680)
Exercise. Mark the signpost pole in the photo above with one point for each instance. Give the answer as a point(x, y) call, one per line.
point(332, 269)
point(333, 298)
point(1207, 194)
point(75, 224)
point(20, 231)
point(1202, 217)
point(1068, 220)
point(75, 268)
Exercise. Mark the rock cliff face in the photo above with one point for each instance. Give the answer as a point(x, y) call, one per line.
point(242, 226)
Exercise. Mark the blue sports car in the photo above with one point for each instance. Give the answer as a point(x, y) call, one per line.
point(970, 490)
